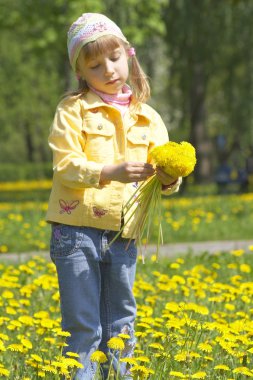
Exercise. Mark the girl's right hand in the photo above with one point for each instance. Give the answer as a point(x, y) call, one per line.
point(126, 172)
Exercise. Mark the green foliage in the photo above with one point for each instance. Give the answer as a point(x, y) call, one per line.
point(26, 171)
point(197, 55)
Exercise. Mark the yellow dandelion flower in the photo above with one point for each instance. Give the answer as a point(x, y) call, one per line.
point(243, 371)
point(141, 371)
point(130, 361)
point(156, 346)
point(4, 372)
point(2, 347)
point(199, 375)
point(124, 336)
point(178, 160)
point(222, 367)
point(41, 314)
point(26, 320)
point(36, 358)
point(237, 252)
point(116, 343)
point(174, 265)
point(16, 347)
point(98, 357)
point(62, 333)
point(7, 294)
point(177, 374)
point(26, 343)
point(208, 358)
point(245, 268)
point(230, 306)
point(206, 347)
point(181, 357)
point(143, 359)
point(49, 368)
point(72, 354)
point(4, 337)
point(72, 363)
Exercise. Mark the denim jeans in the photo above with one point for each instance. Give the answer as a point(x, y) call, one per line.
point(95, 284)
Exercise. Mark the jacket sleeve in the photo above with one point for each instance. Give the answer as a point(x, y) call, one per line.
point(159, 136)
point(67, 142)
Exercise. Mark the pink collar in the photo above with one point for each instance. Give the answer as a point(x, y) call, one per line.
point(120, 101)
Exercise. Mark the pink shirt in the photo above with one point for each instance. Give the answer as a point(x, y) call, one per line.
point(120, 101)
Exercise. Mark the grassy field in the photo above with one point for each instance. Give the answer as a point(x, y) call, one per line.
point(199, 218)
point(194, 320)
point(194, 312)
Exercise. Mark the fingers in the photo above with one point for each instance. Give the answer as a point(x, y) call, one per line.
point(140, 170)
point(163, 177)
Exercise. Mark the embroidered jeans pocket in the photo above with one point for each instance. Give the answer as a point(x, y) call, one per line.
point(65, 240)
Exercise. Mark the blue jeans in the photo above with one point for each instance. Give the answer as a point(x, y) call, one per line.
point(95, 284)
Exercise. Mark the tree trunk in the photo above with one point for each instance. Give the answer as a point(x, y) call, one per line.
point(28, 142)
point(198, 135)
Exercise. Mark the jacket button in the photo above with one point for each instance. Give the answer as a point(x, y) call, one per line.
point(99, 127)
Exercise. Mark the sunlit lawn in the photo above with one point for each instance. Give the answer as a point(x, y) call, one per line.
point(194, 319)
point(194, 312)
point(218, 217)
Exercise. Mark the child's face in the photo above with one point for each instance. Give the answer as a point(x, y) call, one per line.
point(107, 72)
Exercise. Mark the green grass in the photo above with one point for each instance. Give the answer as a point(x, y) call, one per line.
point(194, 315)
point(199, 218)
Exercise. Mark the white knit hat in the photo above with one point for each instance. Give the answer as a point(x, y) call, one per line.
point(87, 28)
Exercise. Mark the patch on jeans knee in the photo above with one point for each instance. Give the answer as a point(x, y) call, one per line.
point(129, 343)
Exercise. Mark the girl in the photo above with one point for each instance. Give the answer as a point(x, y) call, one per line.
point(100, 138)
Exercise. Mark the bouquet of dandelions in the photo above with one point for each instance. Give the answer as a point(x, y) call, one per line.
point(177, 160)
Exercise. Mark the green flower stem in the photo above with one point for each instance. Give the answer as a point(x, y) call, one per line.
point(148, 196)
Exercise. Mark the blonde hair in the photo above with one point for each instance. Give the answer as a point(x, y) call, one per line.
point(137, 78)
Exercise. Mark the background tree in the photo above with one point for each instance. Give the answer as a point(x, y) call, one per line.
point(198, 55)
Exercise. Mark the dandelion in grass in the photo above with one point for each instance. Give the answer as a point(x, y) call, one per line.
point(116, 343)
point(237, 252)
point(141, 371)
point(177, 160)
point(199, 375)
point(4, 372)
point(156, 346)
point(222, 367)
point(98, 357)
point(243, 371)
point(142, 359)
point(177, 374)
point(130, 361)
point(16, 347)
point(62, 333)
point(206, 347)
point(72, 363)
point(49, 368)
point(72, 354)
point(245, 268)
point(124, 336)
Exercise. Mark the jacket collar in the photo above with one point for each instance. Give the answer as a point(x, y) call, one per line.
point(91, 100)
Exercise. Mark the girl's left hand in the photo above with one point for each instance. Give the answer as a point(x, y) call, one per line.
point(165, 178)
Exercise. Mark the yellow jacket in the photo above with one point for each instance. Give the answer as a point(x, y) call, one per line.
point(86, 135)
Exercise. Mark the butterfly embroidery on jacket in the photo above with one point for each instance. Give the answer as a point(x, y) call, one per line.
point(98, 212)
point(67, 206)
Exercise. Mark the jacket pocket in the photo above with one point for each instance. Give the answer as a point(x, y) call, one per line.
point(138, 143)
point(99, 135)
